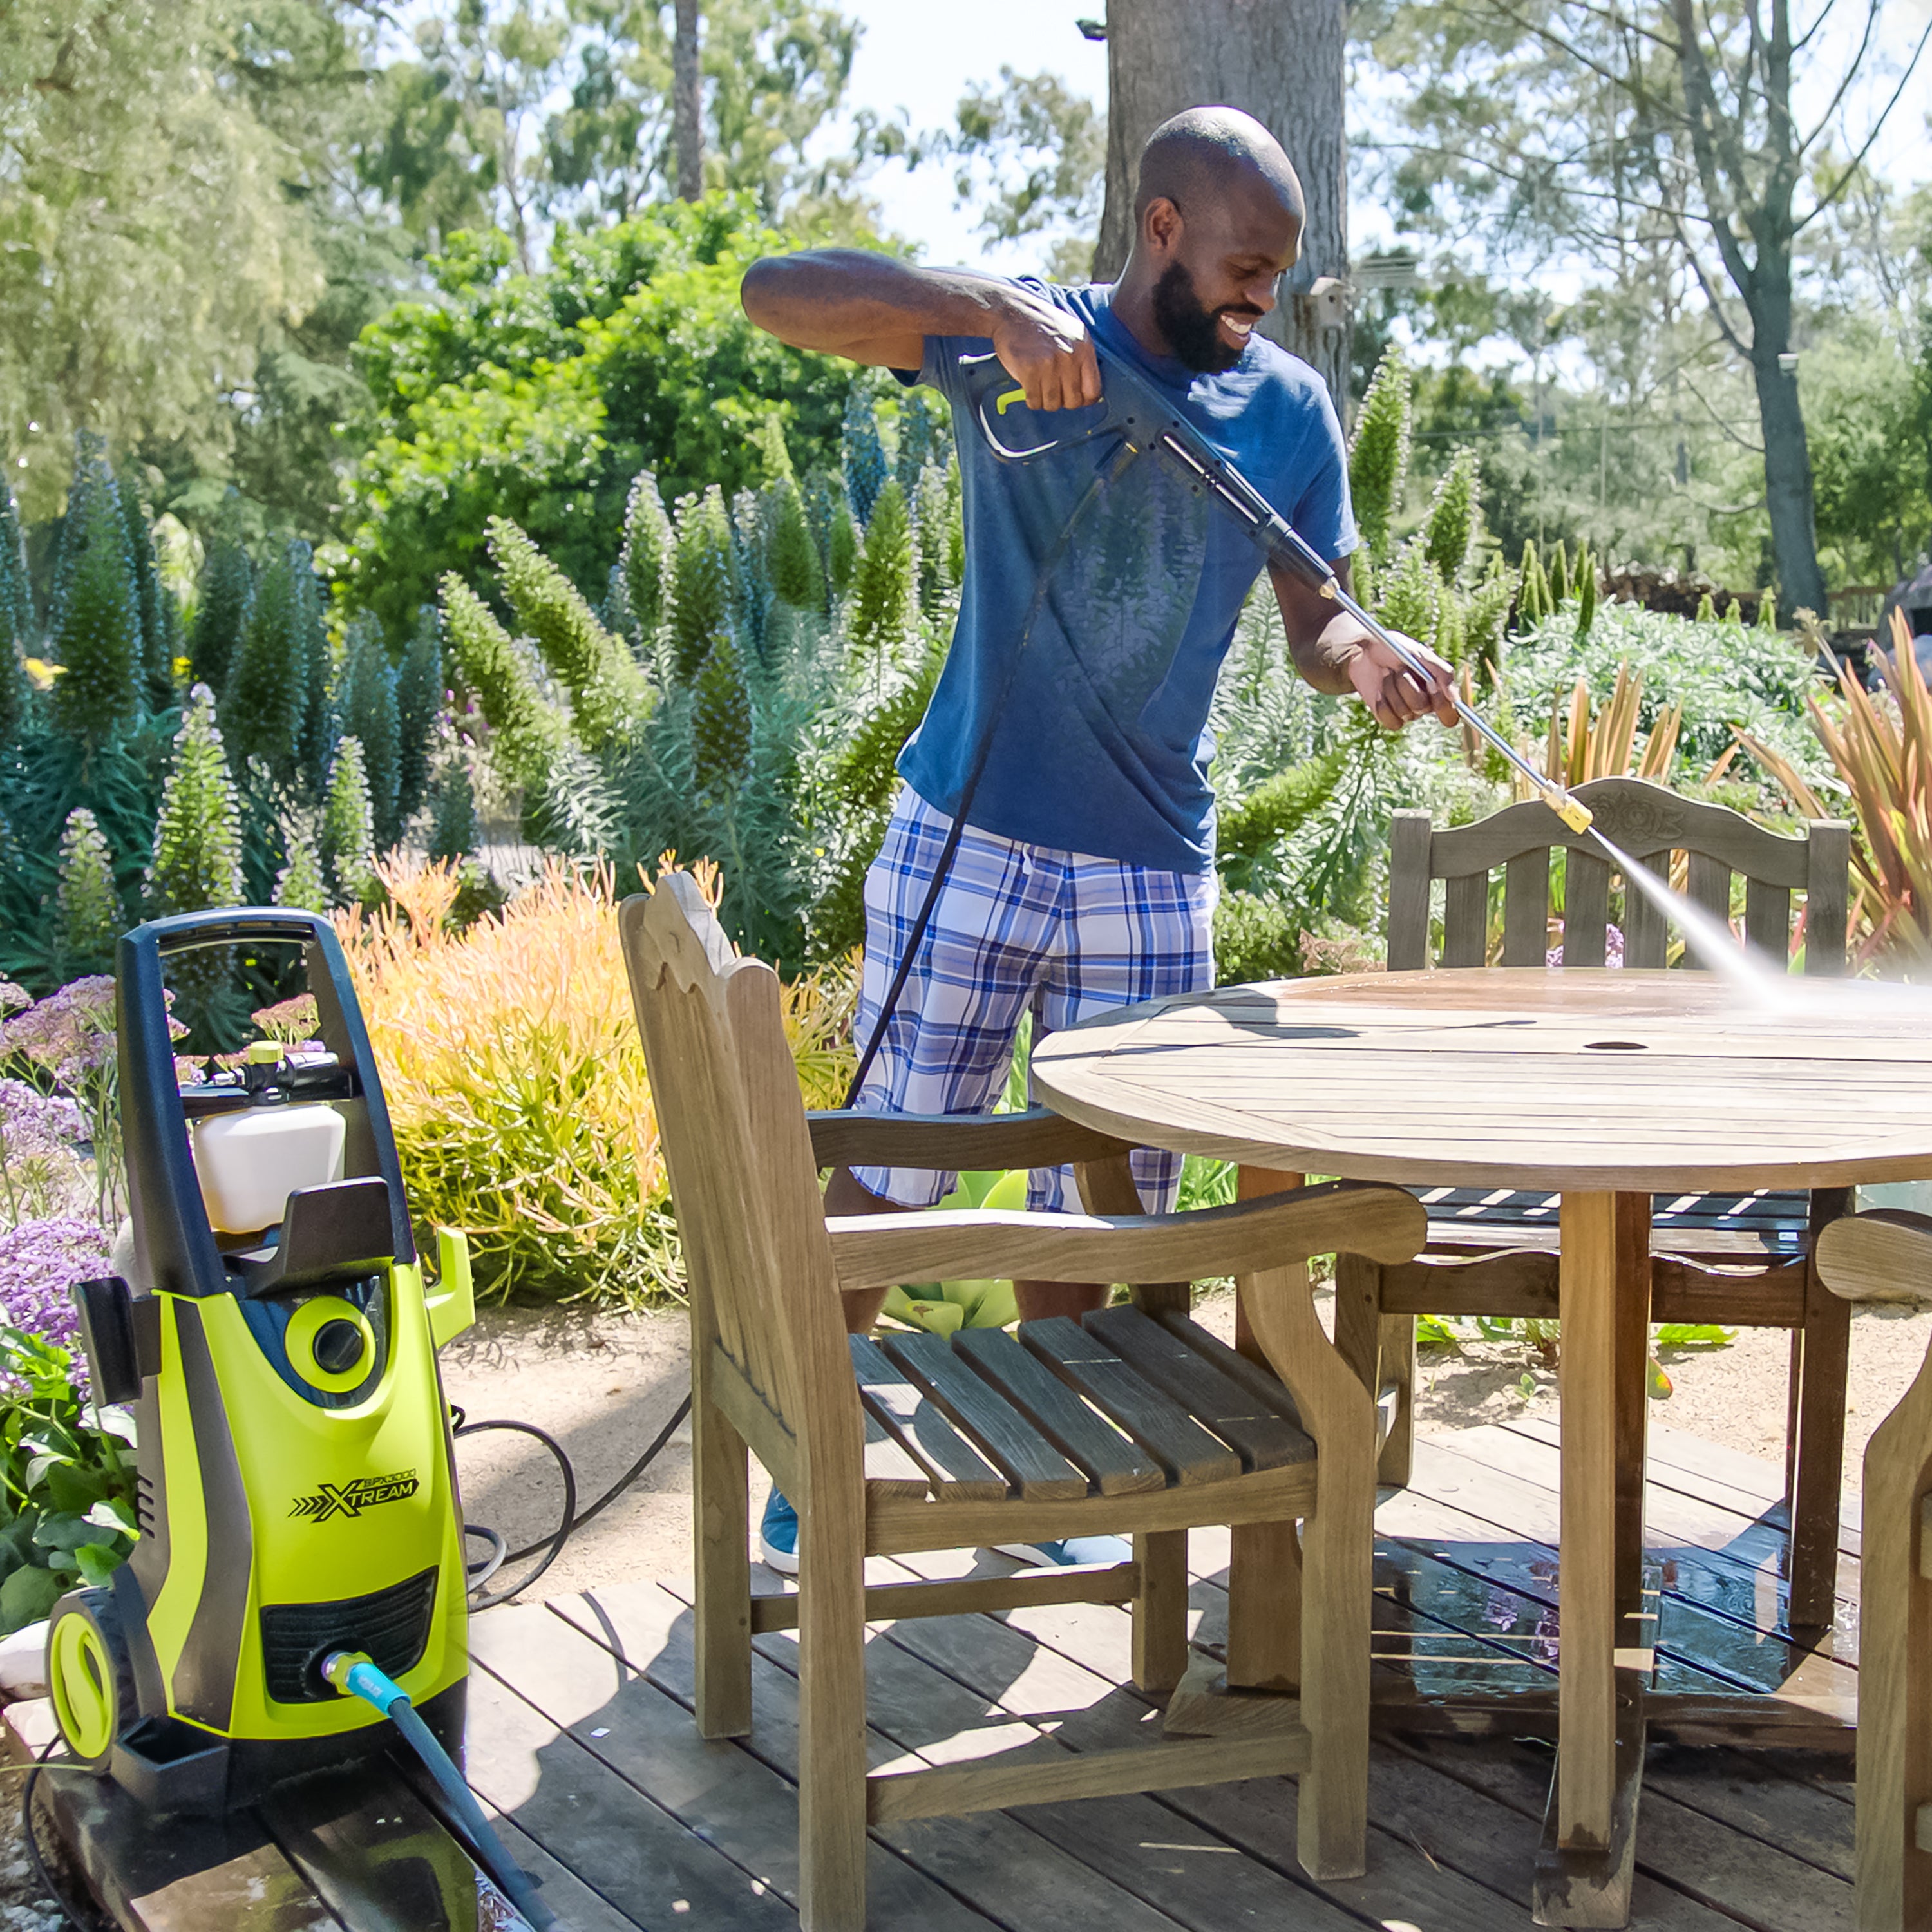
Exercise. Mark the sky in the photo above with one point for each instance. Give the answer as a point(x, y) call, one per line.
point(922, 57)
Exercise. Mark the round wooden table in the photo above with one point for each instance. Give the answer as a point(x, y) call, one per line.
point(1604, 1086)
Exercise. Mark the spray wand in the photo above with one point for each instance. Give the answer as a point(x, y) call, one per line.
point(1137, 413)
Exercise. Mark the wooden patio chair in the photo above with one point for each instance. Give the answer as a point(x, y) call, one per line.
point(1130, 1424)
point(1886, 1255)
point(1745, 1261)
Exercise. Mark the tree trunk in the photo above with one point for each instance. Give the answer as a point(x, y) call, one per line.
point(1787, 487)
point(1280, 61)
point(687, 102)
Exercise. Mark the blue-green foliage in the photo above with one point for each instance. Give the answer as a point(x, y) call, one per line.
point(370, 715)
point(224, 598)
point(419, 691)
point(862, 455)
point(16, 620)
point(152, 603)
point(265, 704)
point(97, 641)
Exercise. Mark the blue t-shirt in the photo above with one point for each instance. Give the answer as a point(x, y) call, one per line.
point(1101, 744)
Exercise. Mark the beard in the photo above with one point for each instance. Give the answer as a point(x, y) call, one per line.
point(1193, 332)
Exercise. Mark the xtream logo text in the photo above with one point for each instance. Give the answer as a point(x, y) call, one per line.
point(351, 1499)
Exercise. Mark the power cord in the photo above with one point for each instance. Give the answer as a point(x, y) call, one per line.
point(552, 1545)
point(79, 1921)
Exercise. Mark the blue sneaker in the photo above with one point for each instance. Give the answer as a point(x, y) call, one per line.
point(1070, 1550)
point(778, 1535)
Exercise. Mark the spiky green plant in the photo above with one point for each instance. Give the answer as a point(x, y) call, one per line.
point(1454, 524)
point(721, 719)
point(932, 518)
point(1485, 613)
point(527, 732)
point(315, 717)
point(1411, 593)
point(1586, 594)
point(920, 441)
point(454, 832)
point(418, 705)
point(956, 522)
point(1532, 598)
point(87, 909)
point(1559, 576)
point(791, 557)
point(151, 596)
point(882, 585)
point(700, 603)
point(609, 696)
point(1734, 613)
point(17, 618)
point(347, 846)
point(370, 716)
point(775, 457)
point(862, 455)
point(1707, 610)
point(197, 861)
point(1379, 454)
point(645, 556)
point(98, 640)
point(224, 599)
point(300, 886)
point(71, 539)
point(263, 708)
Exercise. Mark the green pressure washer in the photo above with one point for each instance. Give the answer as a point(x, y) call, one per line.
point(296, 1596)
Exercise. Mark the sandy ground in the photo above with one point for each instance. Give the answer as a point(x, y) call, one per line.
point(604, 1385)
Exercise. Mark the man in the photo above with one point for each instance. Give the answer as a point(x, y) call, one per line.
point(1085, 877)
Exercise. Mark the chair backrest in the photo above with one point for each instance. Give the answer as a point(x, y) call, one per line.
point(1650, 824)
point(731, 1122)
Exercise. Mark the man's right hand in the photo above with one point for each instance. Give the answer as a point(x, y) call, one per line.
point(1046, 350)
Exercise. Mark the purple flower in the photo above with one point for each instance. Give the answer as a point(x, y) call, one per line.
point(1613, 948)
point(40, 1260)
point(12, 997)
point(69, 1032)
point(34, 1125)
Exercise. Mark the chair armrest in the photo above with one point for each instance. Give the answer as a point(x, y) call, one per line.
point(1361, 1217)
point(1882, 1255)
point(1038, 1138)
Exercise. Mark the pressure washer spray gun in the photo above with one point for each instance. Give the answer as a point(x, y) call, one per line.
point(1133, 413)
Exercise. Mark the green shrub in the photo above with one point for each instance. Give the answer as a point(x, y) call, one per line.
point(154, 607)
point(371, 717)
point(700, 599)
point(347, 847)
point(454, 835)
point(197, 861)
point(17, 618)
point(265, 705)
point(419, 692)
point(300, 886)
point(97, 640)
point(222, 602)
point(645, 557)
point(884, 583)
point(1379, 453)
point(87, 910)
point(1254, 939)
point(1454, 523)
point(862, 456)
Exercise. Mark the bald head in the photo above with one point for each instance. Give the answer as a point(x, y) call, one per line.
point(1218, 216)
point(1209, 154)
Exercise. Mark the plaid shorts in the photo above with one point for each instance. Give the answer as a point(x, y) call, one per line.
point(1018, 928)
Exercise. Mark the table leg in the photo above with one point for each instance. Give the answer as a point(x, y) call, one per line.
point(1632, 1236)
point(1586, 1861)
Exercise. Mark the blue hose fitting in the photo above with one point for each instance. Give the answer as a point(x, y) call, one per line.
point(355, 1674)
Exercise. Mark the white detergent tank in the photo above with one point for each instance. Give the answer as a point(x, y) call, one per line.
point(249, 1163)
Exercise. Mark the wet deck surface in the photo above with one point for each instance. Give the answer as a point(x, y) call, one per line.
point(581, 1733)
point(581, 1741)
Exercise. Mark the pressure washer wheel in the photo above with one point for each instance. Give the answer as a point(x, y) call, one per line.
point(90, 1674)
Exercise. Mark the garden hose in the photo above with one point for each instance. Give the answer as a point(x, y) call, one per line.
point(354, 1674)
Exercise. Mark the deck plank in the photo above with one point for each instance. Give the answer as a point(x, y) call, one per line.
point(988, 1859)
point(626, 1848)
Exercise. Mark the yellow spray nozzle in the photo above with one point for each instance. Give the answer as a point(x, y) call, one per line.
point(1573, 812)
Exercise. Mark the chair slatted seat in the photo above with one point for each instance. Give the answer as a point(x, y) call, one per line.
point(1739, 1260)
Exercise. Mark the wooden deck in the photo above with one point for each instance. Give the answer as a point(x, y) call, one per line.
point(581, 1735)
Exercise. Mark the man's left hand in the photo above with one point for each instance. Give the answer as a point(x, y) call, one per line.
point(1397, 695)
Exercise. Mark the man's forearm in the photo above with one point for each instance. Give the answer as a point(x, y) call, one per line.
point(843, 301)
